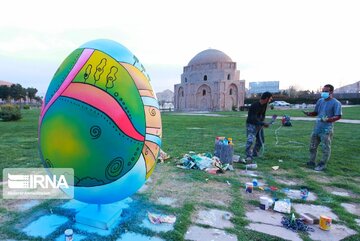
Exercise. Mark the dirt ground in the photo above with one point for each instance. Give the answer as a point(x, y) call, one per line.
point(173, 185)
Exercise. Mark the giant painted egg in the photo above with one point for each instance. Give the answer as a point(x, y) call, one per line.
point(100, 116)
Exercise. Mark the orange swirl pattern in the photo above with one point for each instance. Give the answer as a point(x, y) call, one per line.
point(151, 149)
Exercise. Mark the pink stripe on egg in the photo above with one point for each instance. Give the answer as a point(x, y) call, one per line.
point(104, 102)
point(85, 55)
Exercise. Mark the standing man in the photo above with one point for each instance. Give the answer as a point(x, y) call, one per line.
point(328, 110)
point(254, 126)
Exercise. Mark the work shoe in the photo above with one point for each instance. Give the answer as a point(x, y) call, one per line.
point(242, 160)
point(225, 166)
point(310, 164)
point(248, 159)
point(320, 167)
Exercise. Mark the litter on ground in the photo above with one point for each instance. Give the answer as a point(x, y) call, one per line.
point(158, 219)
point(205, 162)
point(163, 156)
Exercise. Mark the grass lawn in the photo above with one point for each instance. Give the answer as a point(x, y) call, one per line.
point(349, 112)
point(194, 189)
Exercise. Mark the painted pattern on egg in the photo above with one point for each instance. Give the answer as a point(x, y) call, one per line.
point(101, 117)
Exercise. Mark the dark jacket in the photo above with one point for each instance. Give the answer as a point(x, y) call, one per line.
point(256, 114)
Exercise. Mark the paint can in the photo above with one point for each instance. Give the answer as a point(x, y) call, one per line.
point(249, 187)
point(304, 193)
point(264, 203)
point(68, 235)
point(325, 222)
point(255, 182)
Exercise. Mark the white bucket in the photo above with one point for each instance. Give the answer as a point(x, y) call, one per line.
point(68, 235)
point(267, 202)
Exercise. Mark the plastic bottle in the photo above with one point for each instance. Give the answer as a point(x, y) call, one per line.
point(251, 166)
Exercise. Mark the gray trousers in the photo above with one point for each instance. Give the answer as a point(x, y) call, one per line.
point(255, 135)
point(325, 140)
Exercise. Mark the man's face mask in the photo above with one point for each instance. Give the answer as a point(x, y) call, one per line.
point(325, 95)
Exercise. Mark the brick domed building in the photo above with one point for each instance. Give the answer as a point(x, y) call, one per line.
point(210, 82)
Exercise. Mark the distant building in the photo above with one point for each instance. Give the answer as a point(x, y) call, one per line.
point(210, 82)
point(261, 87)
point(351, 88)
point(166, 100)
point(167, 107)
point(2, 82)
point(166, 96)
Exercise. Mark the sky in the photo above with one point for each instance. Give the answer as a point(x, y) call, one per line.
point(305, 44)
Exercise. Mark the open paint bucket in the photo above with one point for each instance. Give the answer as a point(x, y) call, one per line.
point(325, 222)
point(68, 235)
point(249, 186)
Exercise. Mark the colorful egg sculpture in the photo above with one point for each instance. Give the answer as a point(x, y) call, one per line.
point(100, 116)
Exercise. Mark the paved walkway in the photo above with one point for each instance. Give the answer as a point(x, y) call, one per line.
point(203, 113)
point(314, 118)
point(292, 118)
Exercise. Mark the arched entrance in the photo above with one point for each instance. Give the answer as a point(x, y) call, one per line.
point(181, 99)
point(203, 98)
point(232, 97)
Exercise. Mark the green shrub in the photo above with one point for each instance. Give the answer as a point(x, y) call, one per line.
point(10, 112)
point(26, 107)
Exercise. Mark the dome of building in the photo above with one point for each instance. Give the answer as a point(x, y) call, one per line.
point(209, 56)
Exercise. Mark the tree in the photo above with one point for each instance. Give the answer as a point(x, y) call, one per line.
point(4, 92)
point(303, 93)
point(31, 93)
point(161, 103)
point(17, 92)
point(292, 92)
point(38, 99)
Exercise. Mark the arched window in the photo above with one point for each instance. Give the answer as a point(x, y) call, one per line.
point(182, 93)
point(204, 92)
point(230, 92)
point(205, 77)
point(228, 77)
point(185, 80)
